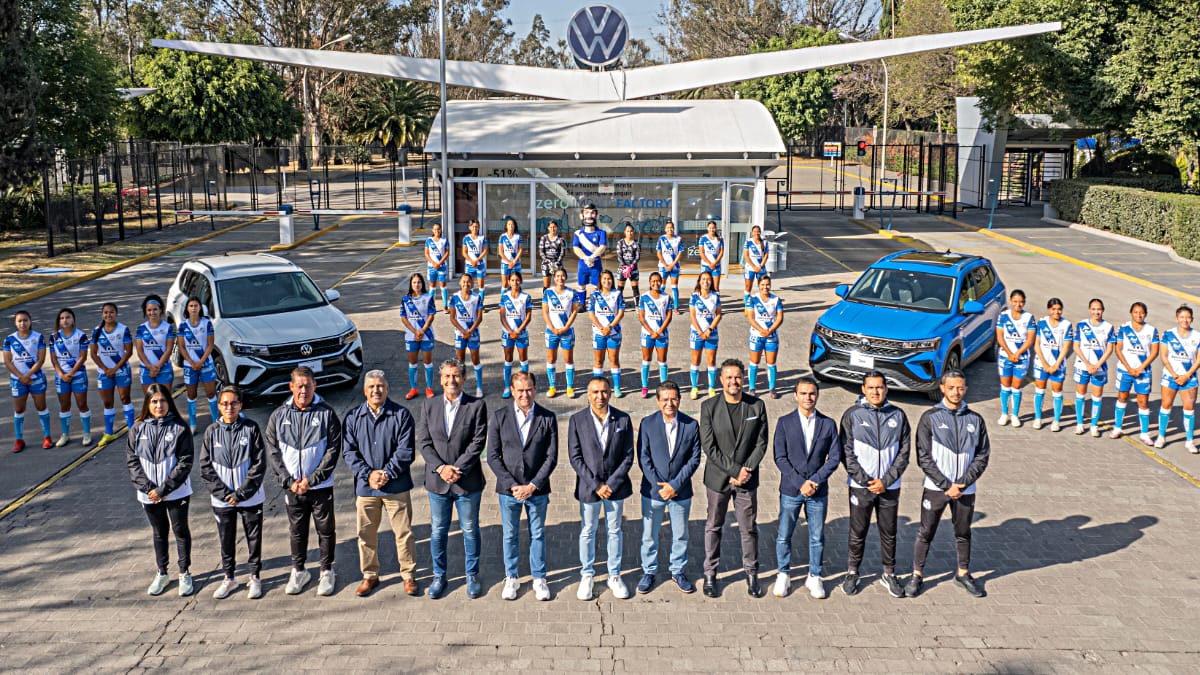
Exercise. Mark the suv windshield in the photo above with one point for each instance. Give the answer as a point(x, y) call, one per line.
point(267, 294)
point(921, 291)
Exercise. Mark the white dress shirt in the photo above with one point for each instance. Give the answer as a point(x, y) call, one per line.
point(523, 421)
point(672, 427)
point(450, 411)
point(601, 425)
point(808, 424)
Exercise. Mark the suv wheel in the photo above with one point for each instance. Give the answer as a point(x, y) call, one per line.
point(953, 362)
point(222, 370)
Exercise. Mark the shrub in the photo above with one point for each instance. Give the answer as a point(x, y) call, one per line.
point(1157, 217)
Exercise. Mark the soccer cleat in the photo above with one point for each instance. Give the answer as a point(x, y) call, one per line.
point(47, 443)
point(1080, 430)
point(428, 392)
point(1095, 432)
point(1055, 427)
point(552, 392)
point(412, 393)
point(1003, 420)
point(1146, 440)
point(1191, 447)
point(1037, 423)
point(645, 392)
point(19, 445)
point(1115, 433)
point(1015, 421)
point(1160, 442)
point(570, 392)
point(62, 441)
point(106, 439)
point(695, 393)
point(712, 392)
point(86, 440)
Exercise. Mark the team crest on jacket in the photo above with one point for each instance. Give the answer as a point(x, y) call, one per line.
point(971, 428)
point(169, 437)
point(926, 505)
point(892, 423)
point(854, 500)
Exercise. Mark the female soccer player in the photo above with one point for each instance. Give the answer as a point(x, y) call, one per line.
point(712, 251)
point(466, 313)
point(417, 310)
point(516, 310)
point(112, 347)
point(68, 357)
point(1137, 350)
point(24, 355)
point(1181, 358)
point(670, 255)
point(1094, 343)
point(1015, 333)
point(629, 254)
point(754, 261)
point(606, 308)
point(474, 253)
point(512, 247)
point(437, 261)
point(1055, 335)
point(654, 314)
point(705, 307)
point(551, 249)
point(153, 342)
point(560, 306)
point(766, 316)
point(196, 339)
point(160, 455)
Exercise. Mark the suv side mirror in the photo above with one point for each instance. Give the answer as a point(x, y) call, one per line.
point(843, 289)
point(332, 296)
point(973, 307)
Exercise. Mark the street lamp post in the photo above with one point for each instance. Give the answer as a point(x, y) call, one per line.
point(308, 125)
point(442, 95)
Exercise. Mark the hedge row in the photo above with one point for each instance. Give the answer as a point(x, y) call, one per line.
point(1157, 217)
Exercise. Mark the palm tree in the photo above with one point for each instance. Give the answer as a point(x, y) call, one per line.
point(393, 113)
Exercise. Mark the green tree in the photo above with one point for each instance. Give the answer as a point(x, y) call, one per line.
point(799, 102)
point(393, 113)
point(536, 48)
point(19, 90)
point(205, 99)
point(923, 86)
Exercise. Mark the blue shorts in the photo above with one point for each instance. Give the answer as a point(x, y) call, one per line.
point(564, 341)
point(123, 378)
point(1040, 375)
point(1169, 382)
point(206, 374)
point(438, 274)
point(477, 272)
point(505, 270)
point(461, 343)
point(696, 344)
point(521, 341)
point(1007, 368)
point(1098, 380)
point(715, 272)
point(758, 343)
point(77, 385)
point(751, 275)
point(36, 386)
point(1139, 385)
point(425, 345)
point(165, 376)
point(651, 343)
point(588, 276)
point(610, 341)
point(669, 274)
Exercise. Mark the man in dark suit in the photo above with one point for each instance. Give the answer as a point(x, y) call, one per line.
point(807, 452)
point(668, 451)
point(600, 446)
point(451, 438)
point(523, 451)
point(733, 436)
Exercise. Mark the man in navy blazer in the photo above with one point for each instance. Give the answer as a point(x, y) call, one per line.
point(668, 451)
point(451, 438)
point(523, 452)
point(600, 447)
point(807, 452)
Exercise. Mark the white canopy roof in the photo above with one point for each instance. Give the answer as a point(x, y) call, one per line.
point(735, 131)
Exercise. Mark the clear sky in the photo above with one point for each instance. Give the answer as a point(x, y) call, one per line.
point(642, 16)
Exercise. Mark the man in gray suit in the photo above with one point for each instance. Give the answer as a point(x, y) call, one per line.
point(451, 438)
point(733, 436)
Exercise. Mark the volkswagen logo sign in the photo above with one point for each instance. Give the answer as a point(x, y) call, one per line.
point(306, 350)
point(864, 342)
point(597, 36)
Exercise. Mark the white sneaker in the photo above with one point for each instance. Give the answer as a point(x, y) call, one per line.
point(1191, 447)
point(511, 586)
point(541, 590)
point(256, 591)
point(62, 441)
point(327, 584)
point(159, 584)
point(227, 587)
point(1160, 442)
point(1003, 420)
point(1146, 440)
point(186, 587)
point(297, 581)
point(1095, 432)
point(585, 587)
point(1115, 433)
point(86, 440)
point(1037, 423)
point(1016, 421)
point(478, 392)
point(619, 590)
point(782, 582)
point(1080, 430)
point(1055, 427)
point(816, 587)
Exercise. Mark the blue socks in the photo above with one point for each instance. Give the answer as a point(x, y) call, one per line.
point(481, 296)
point(44, 419)
point(550, 375)
point(1079, 402)
point(753, 381)
point(508, 374)
point(675, 295)
point(19, 425)
point(645, 374)
point(412, 376)
point(771, 374)
point(712, 378)
point(127, 410)
point(1189, 424)
point(1118, 415)
point(191, 405)
point(1005, 398)
point(1058, 405)
point(110, 416)
point(662, 372)
point(616, 378)
point(445, 298)
point(695, 373)
point(64, 422)
point(1039, 398)
point(85, 419)
point(429, 376)
point(1144, 420)
point(570, 376)
point(479, 376)
point(1096, 411)
point(1016, 401)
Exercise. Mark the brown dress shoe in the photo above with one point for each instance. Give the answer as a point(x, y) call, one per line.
point(410, 587)
point(367, 585)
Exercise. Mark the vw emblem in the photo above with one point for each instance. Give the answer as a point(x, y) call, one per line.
point(597, 36)
point(864, 342)
point(306, 350)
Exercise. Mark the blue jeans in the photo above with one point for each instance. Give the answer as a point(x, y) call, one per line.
point(510, 517)
point(652, 513)
point(440, 507)
point(589, 514)
point(789, 513)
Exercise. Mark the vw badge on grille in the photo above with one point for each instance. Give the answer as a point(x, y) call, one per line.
point(306, 350)
point(597, 36)
point(864, 342)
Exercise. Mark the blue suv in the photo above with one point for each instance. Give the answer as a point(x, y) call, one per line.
point(911, 316)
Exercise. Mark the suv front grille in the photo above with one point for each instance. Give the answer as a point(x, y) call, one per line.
point(292, 351)
point(873, 345)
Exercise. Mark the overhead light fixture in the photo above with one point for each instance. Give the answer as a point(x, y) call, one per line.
point(689, 155)
point(577, 155)
point(633, 155)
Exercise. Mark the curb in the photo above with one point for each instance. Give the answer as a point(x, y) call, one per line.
point(895, 235)
point(91, 276)
point(1074, 261)
point(1161, 248)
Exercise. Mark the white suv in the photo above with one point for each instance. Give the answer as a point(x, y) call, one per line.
point(269, 317)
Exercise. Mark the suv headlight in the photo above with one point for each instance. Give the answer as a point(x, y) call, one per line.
point(243, 349)
point(823, 331)
point(350, 336)
point(922, 345)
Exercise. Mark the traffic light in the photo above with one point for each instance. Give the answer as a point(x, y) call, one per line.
point(862, 148)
